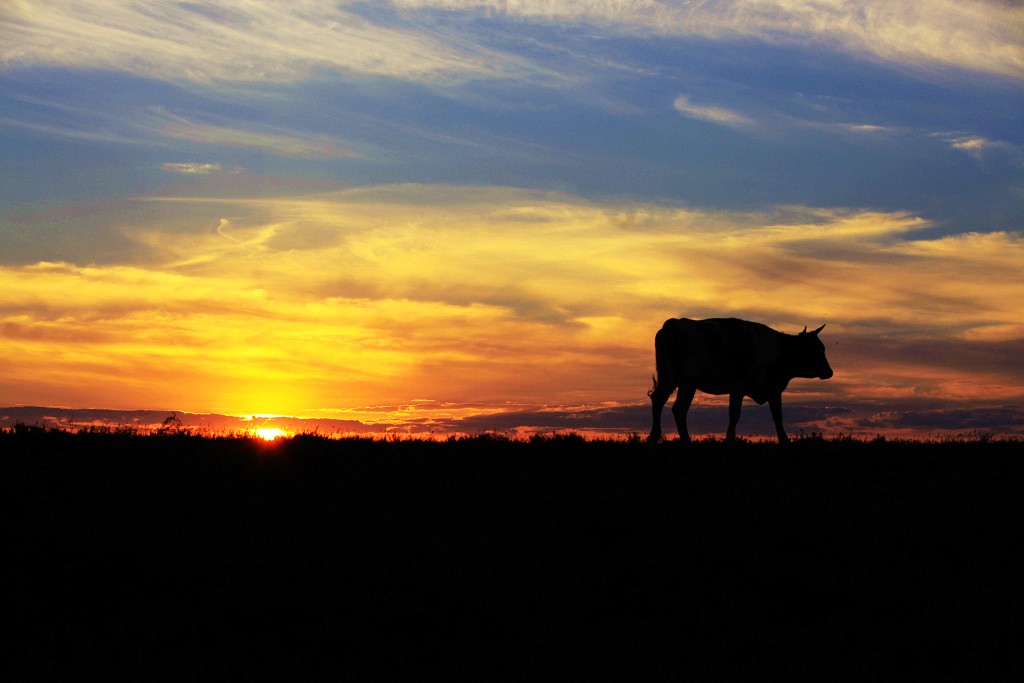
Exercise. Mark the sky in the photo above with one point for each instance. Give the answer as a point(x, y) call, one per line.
point(434, 216)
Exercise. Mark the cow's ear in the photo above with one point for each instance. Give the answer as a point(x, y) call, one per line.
point(817, 330)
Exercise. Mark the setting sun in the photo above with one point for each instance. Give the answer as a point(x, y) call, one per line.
point(269, 433)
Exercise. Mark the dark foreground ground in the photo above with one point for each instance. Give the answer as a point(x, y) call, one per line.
point(171, 558)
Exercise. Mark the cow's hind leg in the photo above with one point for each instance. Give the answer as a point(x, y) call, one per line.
point(735, 406)
point(683, 400)
point(659, 396)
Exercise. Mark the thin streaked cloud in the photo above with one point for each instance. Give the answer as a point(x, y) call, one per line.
point(865, 128)
point(233, 41)
point(240, 41)
point(938, 34)
point(284, 145)
point(977, 146)
point(191, 168)
point(709, 113)
point(48, 130)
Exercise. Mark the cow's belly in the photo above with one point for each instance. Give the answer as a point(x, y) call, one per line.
point(717, 382)
point(722, 383)
point(715, 387)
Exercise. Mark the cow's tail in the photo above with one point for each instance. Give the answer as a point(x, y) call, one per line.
point(662, 360)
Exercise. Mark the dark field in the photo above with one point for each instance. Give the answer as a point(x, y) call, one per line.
point(179, 557)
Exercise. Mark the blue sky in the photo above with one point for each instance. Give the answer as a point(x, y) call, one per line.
point(174, 170)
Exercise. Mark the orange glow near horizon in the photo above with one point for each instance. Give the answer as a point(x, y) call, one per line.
point(269, 433)
point(415, 304)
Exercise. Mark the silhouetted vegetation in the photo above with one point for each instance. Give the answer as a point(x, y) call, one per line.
point(176, 556)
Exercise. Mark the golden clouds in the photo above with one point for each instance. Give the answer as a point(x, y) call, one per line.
point(479, 295)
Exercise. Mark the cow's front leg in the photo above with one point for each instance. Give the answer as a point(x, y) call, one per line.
point(659, 396)
point(735, 406)
point(683, 400)
point(775, 403)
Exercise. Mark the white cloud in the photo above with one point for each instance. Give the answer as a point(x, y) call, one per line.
point(981, 147)
point(191, 169)
point(962, 34)
point(866, 128)
point(66, 131)
point(708, 113)
point(232, 41)
point(970, 144)
point(282, 143)
point(279, 40)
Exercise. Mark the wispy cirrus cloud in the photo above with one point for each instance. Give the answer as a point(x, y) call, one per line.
point(979, 146)
point(303, 147)
point(69, 132)
point(278, 41)
point(977, 35)
point(192, 168)
point(710, 113)
point(232, 41)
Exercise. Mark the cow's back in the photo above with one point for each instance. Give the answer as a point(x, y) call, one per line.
point(718, 355)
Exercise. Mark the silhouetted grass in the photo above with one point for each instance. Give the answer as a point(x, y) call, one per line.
point(179, 556)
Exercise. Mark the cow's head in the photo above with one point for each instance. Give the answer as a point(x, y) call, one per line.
point(812, 359)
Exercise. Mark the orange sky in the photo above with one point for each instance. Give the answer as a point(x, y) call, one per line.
point(455, 301)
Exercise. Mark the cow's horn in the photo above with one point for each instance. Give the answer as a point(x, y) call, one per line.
point(817, 330)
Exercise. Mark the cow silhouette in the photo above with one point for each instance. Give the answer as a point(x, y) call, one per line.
point(734, 357)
